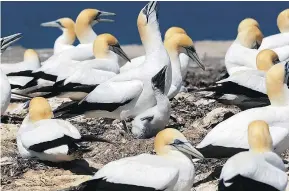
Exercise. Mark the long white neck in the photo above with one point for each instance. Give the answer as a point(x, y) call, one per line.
point(176, 67)
point(65, 38)
point(151, 38)
point(85, 33)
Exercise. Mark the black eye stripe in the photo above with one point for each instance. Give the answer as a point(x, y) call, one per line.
point(58, 22)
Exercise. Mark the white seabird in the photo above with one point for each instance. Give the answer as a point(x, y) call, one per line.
point(153, 120)
point(257, 169)
point(66, 40)
point(130, 93)
point(180, 43)
point(83, 77)
point(229, 137)
point(242, 54)
point(49, 139)
point(171, 169)
point(281, 39)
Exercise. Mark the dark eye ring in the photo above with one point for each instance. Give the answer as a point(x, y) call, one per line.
point(177, 142)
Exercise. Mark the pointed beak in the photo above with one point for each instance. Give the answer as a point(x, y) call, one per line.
point(194, 56)
point(189, 149)
point(158, 81)
point(103, 13)
point(8, 40)
point(118, 50)
point(150, 8)
point(50, 24)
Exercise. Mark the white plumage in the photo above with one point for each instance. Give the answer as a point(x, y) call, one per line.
point(266, 168)
point(5, 92)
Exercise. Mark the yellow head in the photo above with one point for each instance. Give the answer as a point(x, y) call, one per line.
point(87, 18)
point(39, 109)
point(259, 137)
point(66, 23)
point(31, 55)
point(251, 37)
point(170, 139)
point(247, 23)
point(180, 42)
point(275, 79)
point(174, 30)
point(105, 42)
point(283, 21)
point(266, 59)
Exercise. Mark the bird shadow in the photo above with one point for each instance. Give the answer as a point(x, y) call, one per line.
point(79, 167)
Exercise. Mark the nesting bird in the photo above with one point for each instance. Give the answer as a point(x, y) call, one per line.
point(170, 169)
point(49, 139)
point(153, 120)
point(228, 137)
point(66, 40)
point(257, 169)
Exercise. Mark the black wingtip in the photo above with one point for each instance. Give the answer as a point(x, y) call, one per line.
point(158, 81)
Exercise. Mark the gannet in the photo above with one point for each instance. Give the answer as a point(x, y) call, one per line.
point(281, 39)
point(246, 89)
point(171, 169)
point(257, 169)
point(242, 54)
point(153, 120)
point(49, 139)
point(229, 137)
point(66, 40)
point(130, 93)
point(8, 40)
point(174, 45)
point(30, 62)
point(85, 34)
point(81, 79)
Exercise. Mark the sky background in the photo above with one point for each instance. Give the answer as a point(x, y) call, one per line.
point(201, 20)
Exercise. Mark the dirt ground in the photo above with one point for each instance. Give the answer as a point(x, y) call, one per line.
point(191, 114)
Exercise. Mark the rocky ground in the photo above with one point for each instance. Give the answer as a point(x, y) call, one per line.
point(191, 114)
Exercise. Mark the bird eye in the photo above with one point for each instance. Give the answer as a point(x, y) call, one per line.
point(177, 142)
